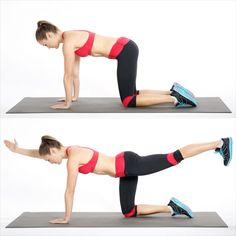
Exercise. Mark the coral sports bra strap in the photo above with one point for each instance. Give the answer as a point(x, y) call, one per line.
point(86, 49)
point(90, 166)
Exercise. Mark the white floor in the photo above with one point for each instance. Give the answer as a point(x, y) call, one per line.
point(231, 231)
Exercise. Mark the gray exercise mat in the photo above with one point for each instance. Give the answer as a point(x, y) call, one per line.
point(116, 219)
point(114, 105)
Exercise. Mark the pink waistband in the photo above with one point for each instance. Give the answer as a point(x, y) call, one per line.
point(117, 47)
point(120, 165)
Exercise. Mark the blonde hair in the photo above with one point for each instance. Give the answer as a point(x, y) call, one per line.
point(43, 28)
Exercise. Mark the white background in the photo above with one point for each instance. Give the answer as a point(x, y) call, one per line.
point(202, 182)
point(191, 42)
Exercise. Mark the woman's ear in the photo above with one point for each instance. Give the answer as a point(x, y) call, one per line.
point(49, 35)
point(53, 151)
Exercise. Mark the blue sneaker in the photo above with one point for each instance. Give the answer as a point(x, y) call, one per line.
point(179, 208)
point(185, 93)
point(183, 100)
point(176, 87)
point(226, 150)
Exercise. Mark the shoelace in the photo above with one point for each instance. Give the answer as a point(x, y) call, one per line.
point(179, 87)
point(223, 151)
point(178, 210)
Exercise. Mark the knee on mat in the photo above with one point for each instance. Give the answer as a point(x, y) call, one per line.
point(132, 213)
point(129, 101)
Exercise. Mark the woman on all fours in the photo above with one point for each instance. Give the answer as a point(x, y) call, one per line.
point(125, 165)
point(81, 43)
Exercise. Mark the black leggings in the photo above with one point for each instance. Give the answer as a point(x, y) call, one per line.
point(126, 74)
point(135, 166)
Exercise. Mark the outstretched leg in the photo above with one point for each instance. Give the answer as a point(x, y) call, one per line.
point(223, 147)
point(195, 149)
point(136, 165)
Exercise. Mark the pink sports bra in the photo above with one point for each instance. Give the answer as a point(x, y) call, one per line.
point(90, 165)
point(86, 49)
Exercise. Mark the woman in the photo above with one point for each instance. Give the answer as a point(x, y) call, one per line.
point(81, 43)
point(126, 165)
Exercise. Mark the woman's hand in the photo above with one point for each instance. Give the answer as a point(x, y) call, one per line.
point(74, 99)
point(10, 145)
point(63, 105)
point(59, 221)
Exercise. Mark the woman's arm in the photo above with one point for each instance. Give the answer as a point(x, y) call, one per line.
point(26, 152)
point(76, 80)
point(69, 59)
point(72, 170)
point(72, 174)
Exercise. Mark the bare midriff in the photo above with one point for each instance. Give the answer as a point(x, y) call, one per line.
point(102, 45)
point(105, 165)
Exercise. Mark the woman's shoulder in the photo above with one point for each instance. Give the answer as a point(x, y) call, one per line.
point(79, 149)
point(74, 153)
point(74, 33)
point(74, 39)
point(73, 149)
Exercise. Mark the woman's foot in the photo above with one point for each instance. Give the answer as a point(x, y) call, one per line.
point(184, 96)
point(74, 99)
point(179, 208)
point(177, 87)
point(183, 100)
point(225, 150)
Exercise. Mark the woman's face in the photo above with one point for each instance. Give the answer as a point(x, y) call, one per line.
point(55, 157)
point(52, 41)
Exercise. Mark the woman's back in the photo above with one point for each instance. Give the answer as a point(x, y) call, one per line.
point(101, 45)
point(93, 160)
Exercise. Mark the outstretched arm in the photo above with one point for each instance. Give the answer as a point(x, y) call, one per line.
point(72, 174)
point(26, 152)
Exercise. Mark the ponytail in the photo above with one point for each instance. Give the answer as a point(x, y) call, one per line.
point(43, 28)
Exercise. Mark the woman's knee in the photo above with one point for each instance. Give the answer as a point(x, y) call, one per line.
point(130, 213)
point(175, 157)
point(129, 101)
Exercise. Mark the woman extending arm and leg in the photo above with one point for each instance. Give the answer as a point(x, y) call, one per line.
point(136, 165)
